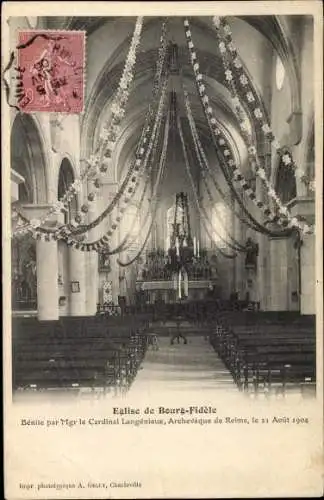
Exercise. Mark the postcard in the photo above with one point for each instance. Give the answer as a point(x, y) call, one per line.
point(162, 249)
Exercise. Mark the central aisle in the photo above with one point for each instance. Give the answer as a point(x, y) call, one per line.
point(182, 367)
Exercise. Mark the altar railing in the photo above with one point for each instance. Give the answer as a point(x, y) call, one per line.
point(191, 309)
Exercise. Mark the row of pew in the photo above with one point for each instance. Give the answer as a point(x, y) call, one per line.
point(77, 352)
point(268, 352)
point(193, 310)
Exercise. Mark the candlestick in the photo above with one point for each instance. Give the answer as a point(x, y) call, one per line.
point(185, 284)
point(167, 244)
point(198, 248)
point(175, 284)
point(195, 246)
point(180, 284)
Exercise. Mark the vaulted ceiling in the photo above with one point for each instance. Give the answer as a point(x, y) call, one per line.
point(108, 42)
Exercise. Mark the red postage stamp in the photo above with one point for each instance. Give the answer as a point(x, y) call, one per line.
point(51, 71)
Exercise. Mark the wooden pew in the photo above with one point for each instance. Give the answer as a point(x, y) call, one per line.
point(71, 352)
point(267, 352)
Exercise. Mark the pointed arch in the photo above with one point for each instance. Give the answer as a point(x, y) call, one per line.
point(28, 158)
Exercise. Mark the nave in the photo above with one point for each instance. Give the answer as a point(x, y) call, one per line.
point(180, 367)
point(253, 353)
point(186, 187)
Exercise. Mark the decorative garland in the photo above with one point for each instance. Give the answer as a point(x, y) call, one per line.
point(110, 130)
point(226, 45)
point(65, 231)
point(99, 163)
point(205, 169)
point(204, 164)
point(234, 62)
point(123, 245)
point(222, 148)
point(93, 163)
point(234, 245)
point(202, 211)
point(154, 195)
point(104, 240)
point(108, 136)
point(134, 172)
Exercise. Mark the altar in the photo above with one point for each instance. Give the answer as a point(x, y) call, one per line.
point(151, 292)
point(181, 271)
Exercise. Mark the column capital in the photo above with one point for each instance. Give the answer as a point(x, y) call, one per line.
point(38, 211)
point(47, 280)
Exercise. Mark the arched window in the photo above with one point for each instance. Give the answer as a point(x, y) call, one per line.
point(27, 159)
point(221, 222)
point(280, 73)
point(66, 178)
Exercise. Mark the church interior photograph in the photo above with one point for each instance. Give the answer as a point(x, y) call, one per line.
point(163, 205)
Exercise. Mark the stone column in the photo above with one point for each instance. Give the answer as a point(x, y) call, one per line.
point(307, 264)
point(305, 207)
point(92, 283)
point(91, 262)
point(77, 273)
point(46, 267)
point(93, 291)
point(263, 278)
point(47, 276)
point(109, 191)
point(239, 261)
point(279, 299)
point(233, 265)
point(264, 262)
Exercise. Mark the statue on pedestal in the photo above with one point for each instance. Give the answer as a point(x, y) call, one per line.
point(104, 262)
point(252, 252)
